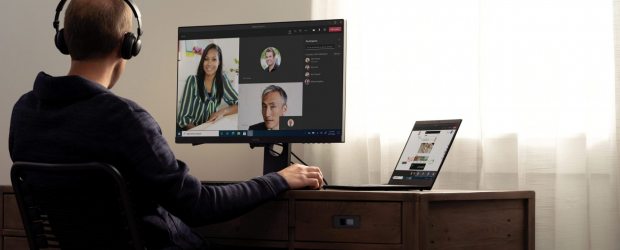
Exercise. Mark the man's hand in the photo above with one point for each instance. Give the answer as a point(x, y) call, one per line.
point(300, 176)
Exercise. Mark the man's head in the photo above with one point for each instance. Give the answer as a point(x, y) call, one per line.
point(270, 57)
point(97, 36)
point(95, 29)
point(273, 106)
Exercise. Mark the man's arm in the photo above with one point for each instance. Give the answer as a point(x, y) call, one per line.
point(170, 184)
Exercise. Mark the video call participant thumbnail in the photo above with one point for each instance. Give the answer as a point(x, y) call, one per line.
point(204, 92)
point(271, 59)
point(273, 106)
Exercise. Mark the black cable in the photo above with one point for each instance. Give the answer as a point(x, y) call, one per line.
point(302, 162)
point(292, 153)
point(275, 153)
point(297, 157)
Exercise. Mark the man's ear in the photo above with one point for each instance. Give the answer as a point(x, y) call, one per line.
point(284, 108)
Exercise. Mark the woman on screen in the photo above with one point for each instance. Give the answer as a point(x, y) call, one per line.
point(204, 92)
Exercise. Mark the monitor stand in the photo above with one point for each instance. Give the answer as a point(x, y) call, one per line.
point(274, 161)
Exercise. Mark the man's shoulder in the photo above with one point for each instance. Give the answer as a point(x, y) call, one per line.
point(131, 105)
point(258, 126)
point(129, 112)
point(26, 97)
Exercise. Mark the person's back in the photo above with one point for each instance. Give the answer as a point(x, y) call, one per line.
point(75, 118)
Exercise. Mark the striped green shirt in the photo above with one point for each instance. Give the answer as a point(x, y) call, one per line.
point(194, 110)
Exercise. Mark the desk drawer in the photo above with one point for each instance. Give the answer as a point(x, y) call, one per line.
point(342, 221)
point(267, 222)
point(11, 217)
point(477, 224)
point(15, 243)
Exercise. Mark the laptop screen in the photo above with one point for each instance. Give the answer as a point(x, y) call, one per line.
point(425, 152)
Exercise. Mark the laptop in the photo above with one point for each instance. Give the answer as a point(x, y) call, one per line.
point(421, 159)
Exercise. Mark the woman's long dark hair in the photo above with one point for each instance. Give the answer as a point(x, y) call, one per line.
point(200, 74)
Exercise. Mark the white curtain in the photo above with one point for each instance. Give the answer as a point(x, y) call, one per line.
point(532, 80)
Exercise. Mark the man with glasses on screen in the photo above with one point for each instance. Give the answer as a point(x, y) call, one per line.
point(273, 106)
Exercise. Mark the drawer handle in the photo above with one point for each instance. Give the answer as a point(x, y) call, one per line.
point(346, 221)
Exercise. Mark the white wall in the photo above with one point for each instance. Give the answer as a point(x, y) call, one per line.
point(26, 47)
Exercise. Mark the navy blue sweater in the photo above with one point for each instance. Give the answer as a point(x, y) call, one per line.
point(71, 119)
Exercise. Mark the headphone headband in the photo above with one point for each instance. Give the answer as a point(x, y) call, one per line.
point(136, 13)
point(58, 9)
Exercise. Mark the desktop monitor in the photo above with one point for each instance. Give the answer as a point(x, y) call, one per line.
point(262, 84)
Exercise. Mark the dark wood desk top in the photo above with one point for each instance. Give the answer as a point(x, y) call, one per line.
point(432, 195)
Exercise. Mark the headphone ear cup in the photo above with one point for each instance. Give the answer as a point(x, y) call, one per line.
point(59, 41)
point(127, 48)
point(137, 46)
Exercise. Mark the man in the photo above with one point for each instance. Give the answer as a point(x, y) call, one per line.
point(273, 106)
point(75, 118)
point(270, 58)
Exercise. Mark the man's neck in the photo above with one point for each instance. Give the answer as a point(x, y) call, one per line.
point(99, 71)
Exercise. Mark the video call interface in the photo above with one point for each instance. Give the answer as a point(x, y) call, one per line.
point(261, 80)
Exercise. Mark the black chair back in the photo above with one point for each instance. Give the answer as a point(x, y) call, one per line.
point(75, 206)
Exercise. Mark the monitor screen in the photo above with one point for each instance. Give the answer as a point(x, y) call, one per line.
point(261, 83)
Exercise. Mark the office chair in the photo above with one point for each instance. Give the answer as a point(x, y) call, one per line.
point(75, 206)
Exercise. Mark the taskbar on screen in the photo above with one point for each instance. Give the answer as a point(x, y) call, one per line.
point(262, 133)
point(412, 175)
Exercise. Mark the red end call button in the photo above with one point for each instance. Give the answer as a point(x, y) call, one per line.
point(335, 29)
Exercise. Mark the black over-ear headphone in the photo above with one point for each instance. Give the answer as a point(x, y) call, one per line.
point(130, 46)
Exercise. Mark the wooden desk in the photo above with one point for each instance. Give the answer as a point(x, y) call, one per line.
point(359, 220)
point(385, 220)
